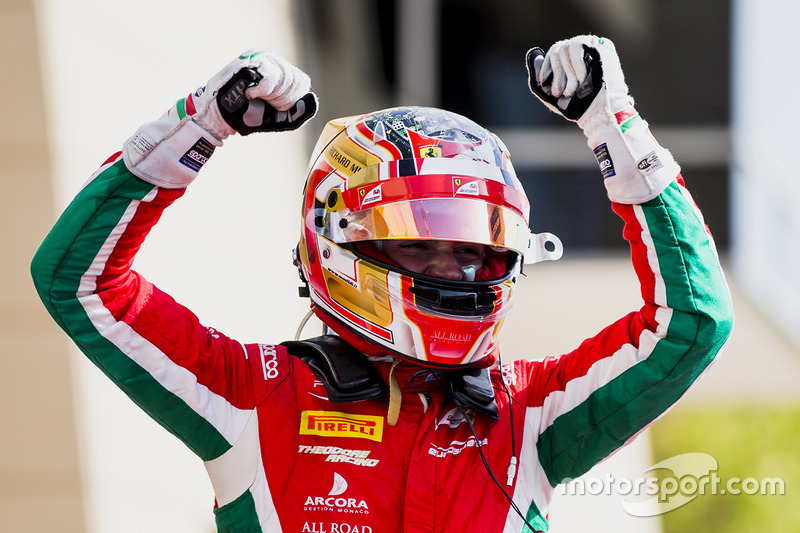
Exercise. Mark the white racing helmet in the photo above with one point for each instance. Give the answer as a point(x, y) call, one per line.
point(414, 173)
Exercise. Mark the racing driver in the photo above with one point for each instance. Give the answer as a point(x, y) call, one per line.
point(414, 230)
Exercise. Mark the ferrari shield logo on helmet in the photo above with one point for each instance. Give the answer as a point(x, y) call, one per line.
point(430, 151)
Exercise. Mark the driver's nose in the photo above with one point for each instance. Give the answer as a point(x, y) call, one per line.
point(445, 266)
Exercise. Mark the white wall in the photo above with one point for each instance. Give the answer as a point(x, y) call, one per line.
point(765, 178)
point(223, 249)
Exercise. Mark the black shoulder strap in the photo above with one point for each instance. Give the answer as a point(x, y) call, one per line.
point(347, 374)
point(474, 388)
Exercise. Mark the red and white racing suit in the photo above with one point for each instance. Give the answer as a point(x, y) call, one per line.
point(282, 457)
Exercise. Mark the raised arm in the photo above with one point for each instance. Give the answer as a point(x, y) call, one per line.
point(193, 380)
point(596, 398)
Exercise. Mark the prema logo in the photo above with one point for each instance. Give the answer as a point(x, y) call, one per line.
point(456, 447)
point(336, 501)
point(454, 417)
point(336, 424)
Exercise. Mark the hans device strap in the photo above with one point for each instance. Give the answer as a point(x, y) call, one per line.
point(347, 374)
point(473, 388)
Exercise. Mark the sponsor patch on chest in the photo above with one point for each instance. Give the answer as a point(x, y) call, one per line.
point(336, 424)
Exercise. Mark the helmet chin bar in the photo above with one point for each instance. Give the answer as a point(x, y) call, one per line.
point(471, 300)
point(336, 326)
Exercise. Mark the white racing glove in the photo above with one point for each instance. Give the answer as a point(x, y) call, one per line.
point(581, 79)
point(255, 92)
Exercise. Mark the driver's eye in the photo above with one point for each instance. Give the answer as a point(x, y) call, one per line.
point(413, 247)
point(468, 251)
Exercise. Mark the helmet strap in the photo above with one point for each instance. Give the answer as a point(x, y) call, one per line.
point(395, 396)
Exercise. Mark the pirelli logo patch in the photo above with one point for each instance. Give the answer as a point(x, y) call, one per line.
point(336, 424)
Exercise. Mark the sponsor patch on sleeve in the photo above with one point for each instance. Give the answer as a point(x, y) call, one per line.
point(650, 163)
point(604, 160)
point(197, 155)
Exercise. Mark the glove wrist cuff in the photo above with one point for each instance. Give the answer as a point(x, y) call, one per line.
point(634, 166)
point(211, 121)
point(170, 151)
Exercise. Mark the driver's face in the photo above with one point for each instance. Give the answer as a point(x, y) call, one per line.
point(455, 261)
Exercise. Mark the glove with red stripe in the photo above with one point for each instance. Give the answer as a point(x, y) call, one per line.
point(255, 92)
point(581, 79)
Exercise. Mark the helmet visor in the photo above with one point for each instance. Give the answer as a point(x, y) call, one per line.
point(450, 219)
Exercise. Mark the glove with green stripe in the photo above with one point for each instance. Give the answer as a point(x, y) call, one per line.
point(255, 92)
point(581, 79)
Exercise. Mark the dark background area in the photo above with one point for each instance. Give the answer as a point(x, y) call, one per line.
point(675, 56)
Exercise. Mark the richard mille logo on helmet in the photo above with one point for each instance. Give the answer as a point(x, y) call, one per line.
point(340, 161)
